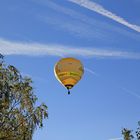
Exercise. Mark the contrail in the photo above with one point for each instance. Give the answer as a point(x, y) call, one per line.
point(80, 24)
point(117, 138)
point(91, 71)
point(131, 92)
point(36, 49)
point(101, 10)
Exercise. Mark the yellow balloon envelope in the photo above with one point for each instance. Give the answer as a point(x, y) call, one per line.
point(68, 71)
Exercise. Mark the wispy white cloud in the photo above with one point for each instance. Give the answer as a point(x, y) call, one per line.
point(101, 10)
point(131, 93)
point(78, 24)
point(75, 23)
point(74, 27)
point(36, 49)
point(117, 138)
point(91, 71)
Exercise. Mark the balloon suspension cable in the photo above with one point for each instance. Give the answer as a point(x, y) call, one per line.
point(68, 91)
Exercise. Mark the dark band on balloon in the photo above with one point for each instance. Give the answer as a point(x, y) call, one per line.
point(69, 86)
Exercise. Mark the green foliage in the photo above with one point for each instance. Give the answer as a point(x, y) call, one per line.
point(127, 134)
point(19, 117)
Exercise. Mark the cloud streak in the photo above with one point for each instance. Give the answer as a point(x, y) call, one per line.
point(73, 27)
point(101, 10)
point(81, 25)
point(91, 71)
point(117, 138)
point(75, 23)
point(131, 93)
point(36, 49)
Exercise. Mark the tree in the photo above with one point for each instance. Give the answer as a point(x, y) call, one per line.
point(127, 134)
point(138, 133)
point(19, 115)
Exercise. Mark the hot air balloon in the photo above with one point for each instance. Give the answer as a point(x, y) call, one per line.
point(68, 72)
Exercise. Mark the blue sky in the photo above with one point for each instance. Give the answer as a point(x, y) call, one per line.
point(104, 35)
